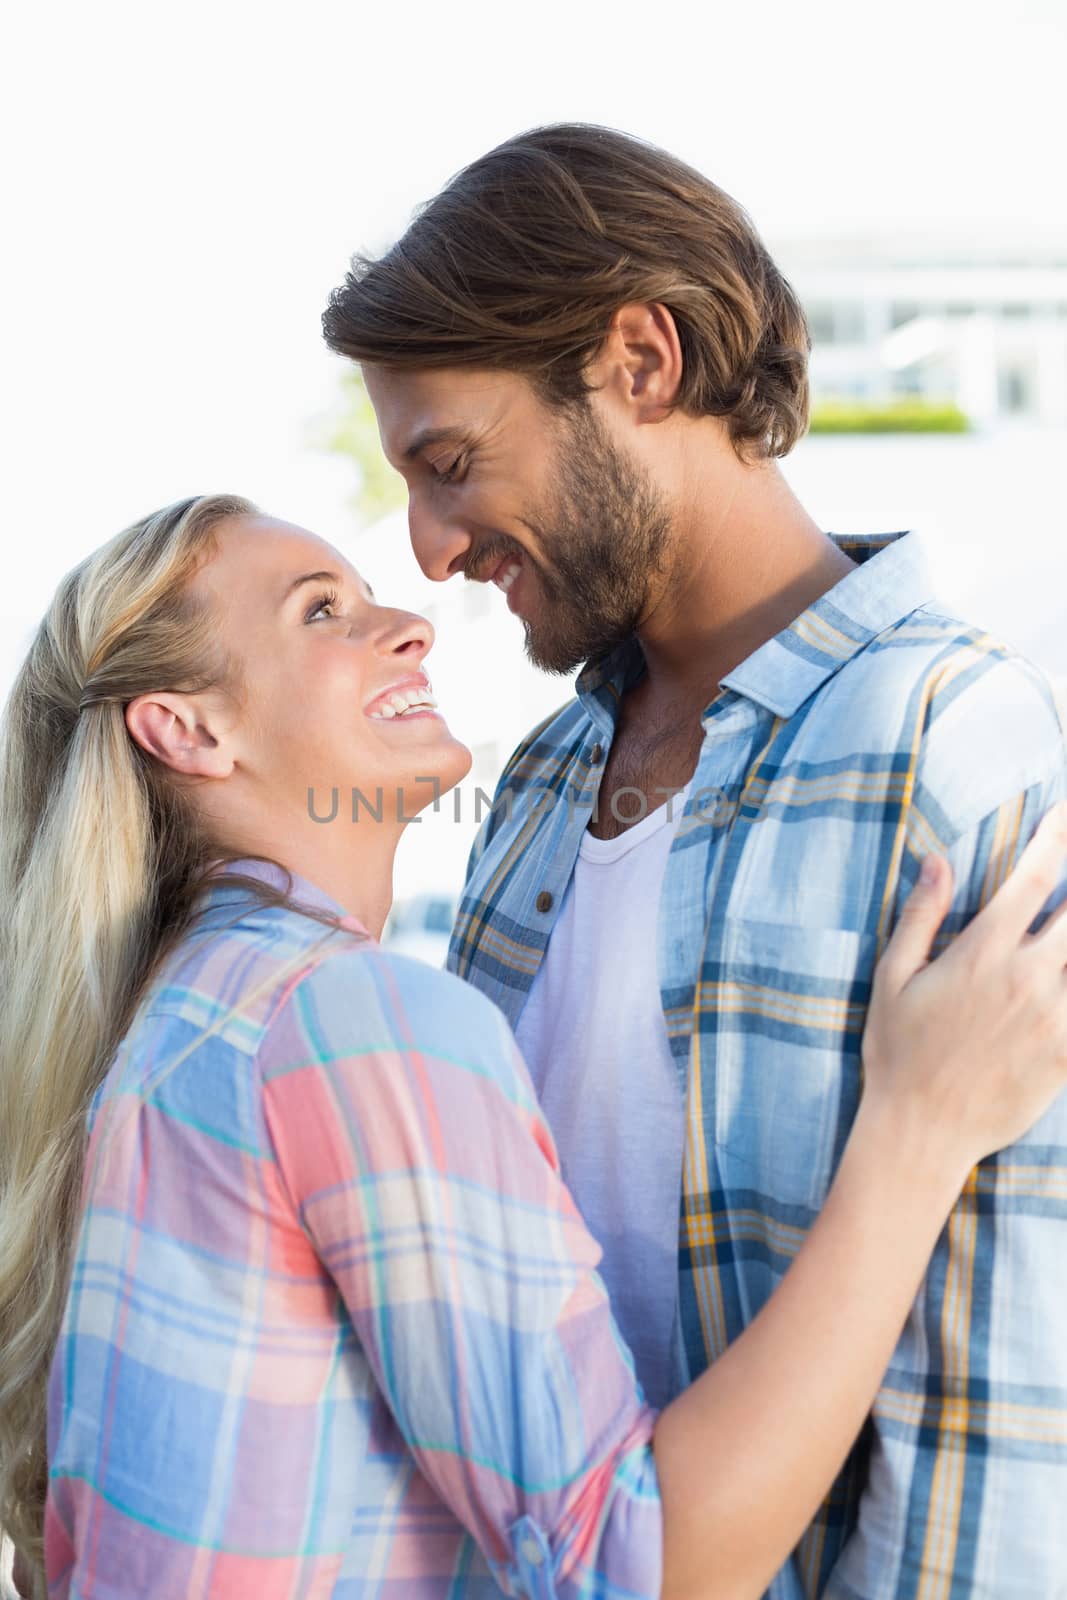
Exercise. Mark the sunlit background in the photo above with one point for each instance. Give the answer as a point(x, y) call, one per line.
point(186, 184)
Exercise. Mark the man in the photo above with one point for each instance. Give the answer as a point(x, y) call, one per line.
point(585, 365)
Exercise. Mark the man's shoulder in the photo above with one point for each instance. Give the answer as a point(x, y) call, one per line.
point(969, 714)
point(931, 660)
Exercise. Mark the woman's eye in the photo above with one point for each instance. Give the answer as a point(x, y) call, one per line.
point(329, 598)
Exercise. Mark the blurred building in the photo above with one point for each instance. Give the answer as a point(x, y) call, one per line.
point(981, 321)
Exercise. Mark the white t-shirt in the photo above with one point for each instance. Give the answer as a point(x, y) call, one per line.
point(594, 1036)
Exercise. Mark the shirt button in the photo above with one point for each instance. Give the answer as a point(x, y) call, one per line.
point(596, 755)
point(544, 901)
point(532, 1552)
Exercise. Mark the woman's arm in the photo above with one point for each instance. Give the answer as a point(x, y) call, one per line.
point(961, 1056)
point(746, 1454)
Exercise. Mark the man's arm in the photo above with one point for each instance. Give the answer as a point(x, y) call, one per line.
point(968, 1471)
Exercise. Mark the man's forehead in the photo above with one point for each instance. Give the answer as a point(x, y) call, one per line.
point(413, 405)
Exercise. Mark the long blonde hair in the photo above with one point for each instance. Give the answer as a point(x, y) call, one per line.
point(102, 858)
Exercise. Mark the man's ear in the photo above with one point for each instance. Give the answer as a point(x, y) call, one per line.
point(640, 362)
point(182, 731)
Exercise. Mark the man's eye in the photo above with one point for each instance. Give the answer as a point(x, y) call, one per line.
point(451, 473)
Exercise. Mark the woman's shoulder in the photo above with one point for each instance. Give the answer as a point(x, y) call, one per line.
point(375, 1050)
point(239, 961)
point(366, 995)
point(364, 1002)
point(278, 987)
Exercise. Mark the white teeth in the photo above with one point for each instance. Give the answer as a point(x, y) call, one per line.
point(402, 701)
point(508, 576)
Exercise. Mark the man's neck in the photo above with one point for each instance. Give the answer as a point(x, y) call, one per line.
point(745, 567)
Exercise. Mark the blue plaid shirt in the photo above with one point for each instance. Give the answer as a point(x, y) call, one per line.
point(874, 729)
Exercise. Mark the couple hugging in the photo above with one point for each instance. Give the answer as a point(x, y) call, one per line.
point(700, 1233)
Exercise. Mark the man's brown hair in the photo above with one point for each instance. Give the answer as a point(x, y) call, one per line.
point(522, 259)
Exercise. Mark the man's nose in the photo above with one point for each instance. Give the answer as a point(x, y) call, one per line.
point(440, 547)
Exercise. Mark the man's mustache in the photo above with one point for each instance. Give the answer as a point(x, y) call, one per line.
point(487, 557)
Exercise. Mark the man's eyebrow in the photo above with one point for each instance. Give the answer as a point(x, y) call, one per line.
point(430, 436)
point(321, 577)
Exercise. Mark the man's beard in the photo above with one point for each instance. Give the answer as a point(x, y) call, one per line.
point(600, 539)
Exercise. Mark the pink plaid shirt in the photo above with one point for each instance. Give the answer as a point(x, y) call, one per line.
point(335, 1325)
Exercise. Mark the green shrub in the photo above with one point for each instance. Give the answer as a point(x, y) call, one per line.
point(910, 414)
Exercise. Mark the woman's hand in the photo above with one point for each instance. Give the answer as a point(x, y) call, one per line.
point(969, 1050)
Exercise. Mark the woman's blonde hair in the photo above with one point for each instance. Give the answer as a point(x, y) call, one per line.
point(102, 858)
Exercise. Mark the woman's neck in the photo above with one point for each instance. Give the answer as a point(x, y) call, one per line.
point(352, 862)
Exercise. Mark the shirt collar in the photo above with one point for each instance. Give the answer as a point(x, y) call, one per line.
point(891, 579)
point(303, 891)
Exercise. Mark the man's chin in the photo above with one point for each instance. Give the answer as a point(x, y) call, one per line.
point(550, 653)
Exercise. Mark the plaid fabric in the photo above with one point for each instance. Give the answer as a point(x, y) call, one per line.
point(334, 1326)
point(873, 730)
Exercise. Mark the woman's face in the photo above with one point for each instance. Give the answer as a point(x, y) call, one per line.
point(327, 677)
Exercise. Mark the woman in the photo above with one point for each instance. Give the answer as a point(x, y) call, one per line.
point(315, 1314)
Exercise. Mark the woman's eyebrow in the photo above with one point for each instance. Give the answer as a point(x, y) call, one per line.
point(324, 576)
point(311, 577)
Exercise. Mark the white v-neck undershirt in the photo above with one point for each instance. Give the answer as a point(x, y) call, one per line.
point(593, 1033)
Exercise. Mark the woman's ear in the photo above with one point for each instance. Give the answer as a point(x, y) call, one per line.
point(182, 732)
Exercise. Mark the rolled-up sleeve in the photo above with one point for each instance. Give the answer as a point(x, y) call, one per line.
point(409, 1136)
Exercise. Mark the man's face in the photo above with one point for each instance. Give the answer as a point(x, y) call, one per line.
point(540, 500)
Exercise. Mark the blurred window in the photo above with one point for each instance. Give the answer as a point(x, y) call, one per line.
point(439, 916)
point(1014, 390)
point(850, 323)
point(821, 323)
point(840, 322)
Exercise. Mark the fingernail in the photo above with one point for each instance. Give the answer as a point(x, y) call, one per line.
point(928, 875)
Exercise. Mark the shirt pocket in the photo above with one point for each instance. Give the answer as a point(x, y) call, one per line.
point(784, 1006)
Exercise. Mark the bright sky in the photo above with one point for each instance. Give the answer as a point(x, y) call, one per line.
point(186, 183)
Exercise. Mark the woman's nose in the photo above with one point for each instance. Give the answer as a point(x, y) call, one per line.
point(407, 635)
